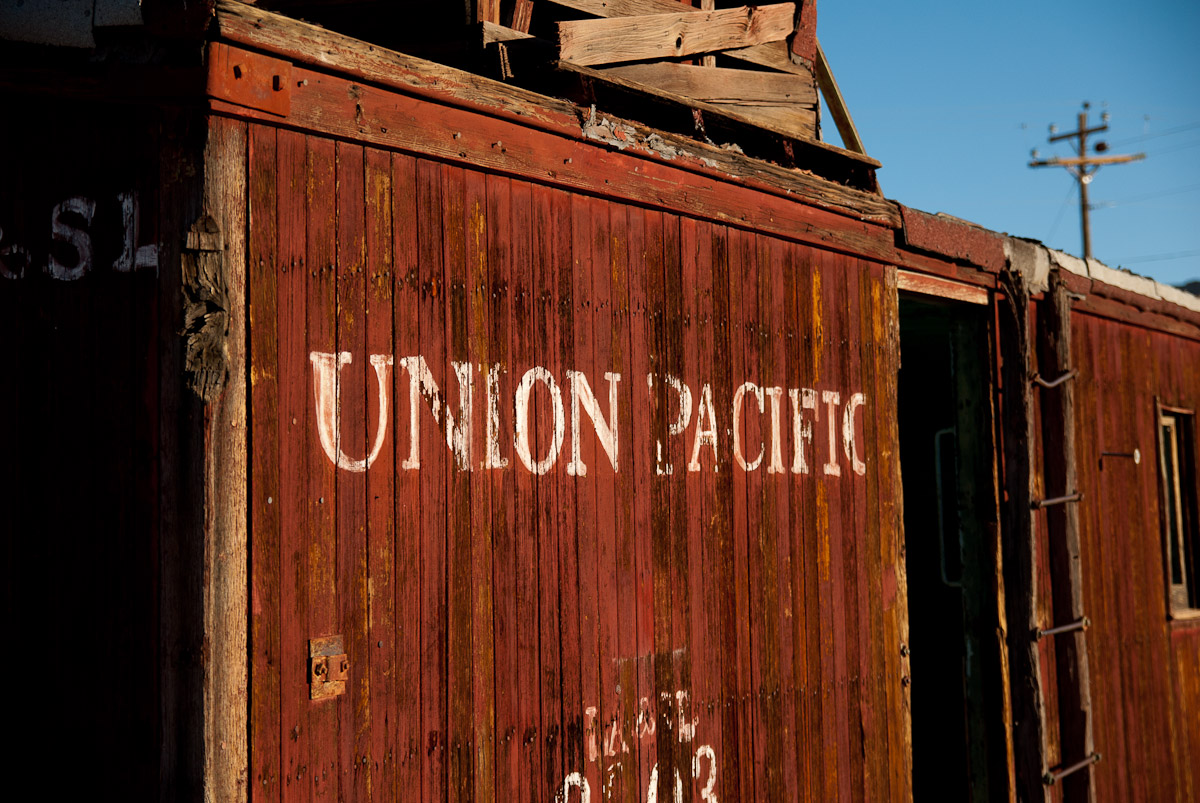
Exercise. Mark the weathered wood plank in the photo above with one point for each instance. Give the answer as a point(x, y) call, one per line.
point(942, 288)
point(295, 400)
point(643, 254)
point(838, 109)
point(264, 449)
point(410, 739)
point(306, 43)
point(522, 13)
point(225, 470)
point(580, 344)
point(612, 526)
point(675, 538)
point(352, 438)
point(431, 455)
point(741, 263)
point(392, 121)
point(618, 350)
point(721, 86)
point(324, 725)
point(1020, 440)
point(379, 243)
point(546, 218)
point(658, 36)
point(662, 658)
point(704, 556)
point(490, 10)
point(808, 314)
point(854, 526)
point(797, 123)
point(872, 376)
point(459, 619)
point(828, 547)
point(700, 667)
point(773, 55)
point(892, 553)
point(755, 446)
point(512, 579)
point(477, 325)
point(775, 104)
point(520, 326)
point(565, 308)
point(781, 378)
point(724, 723)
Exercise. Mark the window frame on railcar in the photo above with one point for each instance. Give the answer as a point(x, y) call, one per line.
point(1176, 435)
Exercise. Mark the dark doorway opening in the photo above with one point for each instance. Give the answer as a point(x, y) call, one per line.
point(950, 524)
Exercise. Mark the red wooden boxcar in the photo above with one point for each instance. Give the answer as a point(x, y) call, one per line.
point(384, 432)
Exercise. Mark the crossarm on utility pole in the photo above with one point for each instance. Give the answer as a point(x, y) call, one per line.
point(1083, 167)
point(1087, 161)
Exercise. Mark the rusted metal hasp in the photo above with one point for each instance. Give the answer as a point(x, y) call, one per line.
point(1081, 624)
point(1054, 776)
point(1038, 504)
point(1053, 383)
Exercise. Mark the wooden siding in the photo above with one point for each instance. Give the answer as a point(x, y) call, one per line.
point(515, 634)
point(1145, 668)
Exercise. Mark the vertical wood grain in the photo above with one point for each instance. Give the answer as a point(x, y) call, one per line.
point(265, 751)
point(225, 482)
point(322, 773)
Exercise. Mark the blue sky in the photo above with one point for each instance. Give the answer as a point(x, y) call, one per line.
point(952, 96)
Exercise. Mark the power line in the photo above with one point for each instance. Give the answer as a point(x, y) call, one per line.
point(1061, 208)
point(1158, 257)
point(1145, 197)
point(1143, 137)
point(1178, 147)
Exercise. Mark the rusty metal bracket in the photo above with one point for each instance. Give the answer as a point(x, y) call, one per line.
point(1054, 776)
point(249, 79)
point(1053, 383)
point(1081, 624)
point(328, 667)
point(1038, 504)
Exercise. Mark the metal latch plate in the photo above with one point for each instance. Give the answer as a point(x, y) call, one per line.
point(328, 667)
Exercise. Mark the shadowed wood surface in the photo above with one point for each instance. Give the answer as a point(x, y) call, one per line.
point(721, 85)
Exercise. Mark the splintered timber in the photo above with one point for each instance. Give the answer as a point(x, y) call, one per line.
point(825, 424)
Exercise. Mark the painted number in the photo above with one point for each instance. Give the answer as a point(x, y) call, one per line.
point(72, 252)
point(576, 781)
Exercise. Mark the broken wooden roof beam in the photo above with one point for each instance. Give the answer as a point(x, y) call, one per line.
point(780, 101)
point(772, 55)
point(677, 34)
point(627, 60)
point(667, 111)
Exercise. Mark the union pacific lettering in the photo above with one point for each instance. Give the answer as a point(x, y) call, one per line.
point(825, 424)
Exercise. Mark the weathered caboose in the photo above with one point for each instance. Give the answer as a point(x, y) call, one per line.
point(545, 428)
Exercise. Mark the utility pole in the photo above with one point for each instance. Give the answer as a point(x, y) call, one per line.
point(1082, 166)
